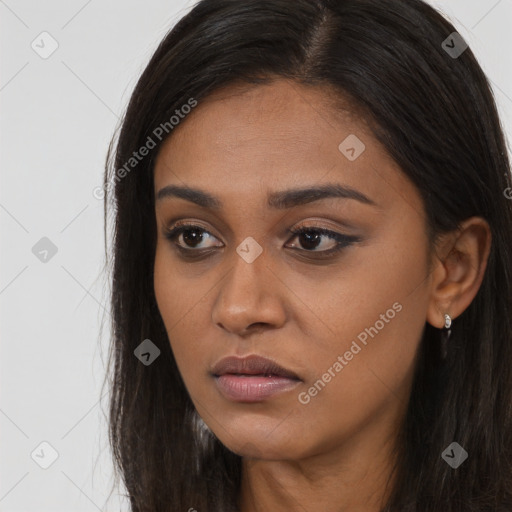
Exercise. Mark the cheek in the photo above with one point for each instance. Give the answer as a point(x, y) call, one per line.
point(183, 311)
point(365, 379)
point(177, 292)
point(365, 359)
point(166, 283)
point(376, 316)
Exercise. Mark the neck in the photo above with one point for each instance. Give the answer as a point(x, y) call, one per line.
point(354, 477)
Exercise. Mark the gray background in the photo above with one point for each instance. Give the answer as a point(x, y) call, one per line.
point(58, 115)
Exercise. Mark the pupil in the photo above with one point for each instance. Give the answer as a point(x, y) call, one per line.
point(194, 239)
point(309, 239)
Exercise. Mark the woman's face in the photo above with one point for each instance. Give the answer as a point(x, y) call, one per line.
point(345, 323)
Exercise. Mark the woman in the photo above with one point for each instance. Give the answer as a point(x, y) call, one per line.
point(311, 266)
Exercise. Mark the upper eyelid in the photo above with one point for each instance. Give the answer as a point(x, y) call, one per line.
point(177, 225)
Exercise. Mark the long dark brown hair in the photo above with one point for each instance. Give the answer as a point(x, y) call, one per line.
point(436, 116)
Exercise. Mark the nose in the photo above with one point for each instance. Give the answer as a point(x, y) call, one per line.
point(250, 297)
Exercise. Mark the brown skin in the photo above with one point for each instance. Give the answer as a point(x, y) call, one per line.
point(335, 452)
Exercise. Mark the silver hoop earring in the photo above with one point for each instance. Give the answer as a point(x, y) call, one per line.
point(445, 335)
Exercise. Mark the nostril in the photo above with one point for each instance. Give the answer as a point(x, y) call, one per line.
point(257, 325)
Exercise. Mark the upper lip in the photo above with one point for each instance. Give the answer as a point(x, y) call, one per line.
point(251, 365)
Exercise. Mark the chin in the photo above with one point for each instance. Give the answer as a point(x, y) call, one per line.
point(263, 446)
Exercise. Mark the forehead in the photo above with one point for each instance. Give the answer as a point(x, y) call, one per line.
point(246, 139)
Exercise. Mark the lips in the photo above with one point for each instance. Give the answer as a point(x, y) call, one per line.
point(252, 365)
point(252, 379)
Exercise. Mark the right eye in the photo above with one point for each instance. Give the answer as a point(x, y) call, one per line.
point(189, 237)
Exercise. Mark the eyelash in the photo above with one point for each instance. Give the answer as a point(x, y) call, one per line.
point(342, 241)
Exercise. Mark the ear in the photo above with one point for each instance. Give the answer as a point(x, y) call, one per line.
point(459, 268)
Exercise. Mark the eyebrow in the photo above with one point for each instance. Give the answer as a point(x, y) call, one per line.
point(278, 200)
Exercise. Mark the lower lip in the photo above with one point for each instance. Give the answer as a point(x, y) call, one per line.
point(252, 388)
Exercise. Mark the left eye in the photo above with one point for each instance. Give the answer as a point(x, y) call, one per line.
point(312, 239)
